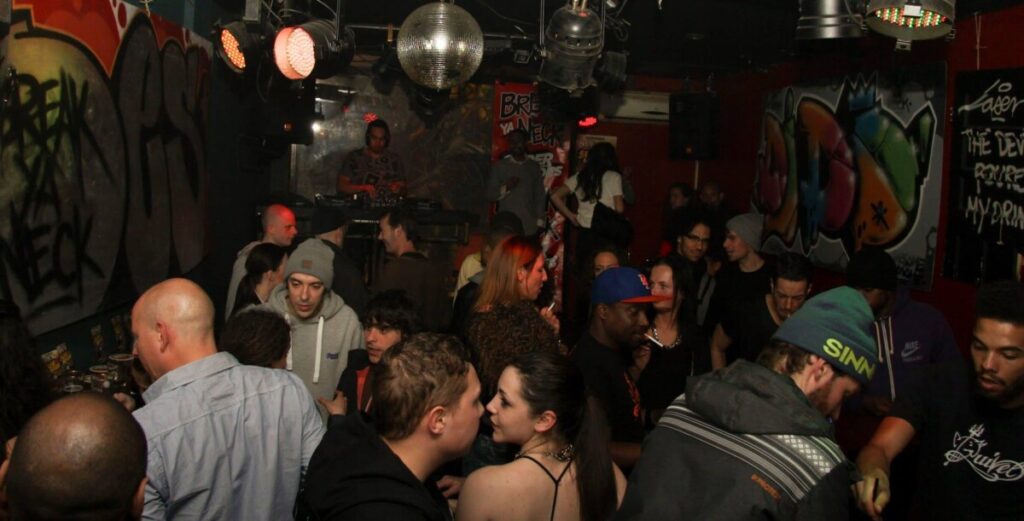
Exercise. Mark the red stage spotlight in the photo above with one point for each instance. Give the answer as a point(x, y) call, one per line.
point(587, 122)
point(313, 49)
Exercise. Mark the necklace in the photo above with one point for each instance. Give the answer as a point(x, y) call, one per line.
point(654, 330)
point(564, 454)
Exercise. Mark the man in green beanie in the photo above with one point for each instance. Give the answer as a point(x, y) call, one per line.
point(755, 440)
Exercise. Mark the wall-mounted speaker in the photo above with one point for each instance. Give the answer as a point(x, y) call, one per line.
point(693, 126)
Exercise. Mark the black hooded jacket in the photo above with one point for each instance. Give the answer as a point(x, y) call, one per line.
point(353, 475)
point(743, 443)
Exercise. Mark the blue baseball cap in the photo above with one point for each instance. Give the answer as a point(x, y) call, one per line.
point(622, 285)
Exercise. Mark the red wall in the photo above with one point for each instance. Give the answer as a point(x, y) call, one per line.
point(644, 147)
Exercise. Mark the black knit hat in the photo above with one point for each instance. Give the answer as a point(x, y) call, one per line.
point(871, 267)
point(327, 219)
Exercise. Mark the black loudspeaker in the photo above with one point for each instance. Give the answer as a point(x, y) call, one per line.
point(693, 126)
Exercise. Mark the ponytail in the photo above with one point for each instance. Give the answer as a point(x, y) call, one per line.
point(262, 258)
point(246, 293)
point(595, 479)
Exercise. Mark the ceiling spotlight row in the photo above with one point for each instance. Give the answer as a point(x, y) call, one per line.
point(315, 49)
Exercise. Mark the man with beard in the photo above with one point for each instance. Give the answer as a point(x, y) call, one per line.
point(618, 322)
point(373, 169)
point(971, 458)
point(754, 440)
point(743, 333)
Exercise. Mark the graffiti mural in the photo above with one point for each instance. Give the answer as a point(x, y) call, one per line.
point(103, 181)
point(855, 163)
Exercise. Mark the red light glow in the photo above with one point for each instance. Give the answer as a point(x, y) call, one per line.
point(369, 117)
point(588, 121)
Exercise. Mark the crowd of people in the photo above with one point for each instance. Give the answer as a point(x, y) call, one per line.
point(710, 382)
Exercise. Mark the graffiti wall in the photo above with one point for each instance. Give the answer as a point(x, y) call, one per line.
point(103, 183)
point(855, 162)
point(516, 105)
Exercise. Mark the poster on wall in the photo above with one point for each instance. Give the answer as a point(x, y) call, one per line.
point(985, 232)
point(516, 106)
point(103, 182)
point(854, 162)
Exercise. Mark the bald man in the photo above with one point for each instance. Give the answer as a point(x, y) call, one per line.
point(278, 228)
point(226, 441)
point(82, 457)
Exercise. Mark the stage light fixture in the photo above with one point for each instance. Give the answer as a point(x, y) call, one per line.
point(909, 20)
point(240, 44)
point(829, 19)
point(314, 49)
point(574, 38)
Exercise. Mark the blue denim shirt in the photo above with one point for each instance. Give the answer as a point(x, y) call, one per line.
point(227, 441)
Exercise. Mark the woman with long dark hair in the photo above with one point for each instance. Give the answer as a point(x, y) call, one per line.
point(264, 269)
point(598, 183)
point(563, 470)
point(668, 357)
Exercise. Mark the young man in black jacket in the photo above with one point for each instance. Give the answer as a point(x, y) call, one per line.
point(428, 409)
point(754, 440)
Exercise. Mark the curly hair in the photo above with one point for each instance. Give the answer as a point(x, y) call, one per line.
point(1001, 301)
point(24, 382)
point(506, 331)
point(392, 309)
point(423, 371)
point(256, 337)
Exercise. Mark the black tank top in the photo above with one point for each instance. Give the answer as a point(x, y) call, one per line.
point(555, 480)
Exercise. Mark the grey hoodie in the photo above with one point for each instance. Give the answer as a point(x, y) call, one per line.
point(320, 343)
point(237, 272)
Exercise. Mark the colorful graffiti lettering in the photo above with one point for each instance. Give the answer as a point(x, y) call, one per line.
point(851, 172)
point(102, 157)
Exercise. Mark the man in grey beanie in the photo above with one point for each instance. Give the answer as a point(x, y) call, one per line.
point(324, 328)
point(746, 278)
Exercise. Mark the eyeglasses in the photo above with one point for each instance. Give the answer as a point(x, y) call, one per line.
point(697, 238)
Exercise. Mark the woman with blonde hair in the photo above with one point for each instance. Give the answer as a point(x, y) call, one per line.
point(515, 272)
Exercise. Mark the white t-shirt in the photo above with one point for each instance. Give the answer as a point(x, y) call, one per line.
point(611, 185)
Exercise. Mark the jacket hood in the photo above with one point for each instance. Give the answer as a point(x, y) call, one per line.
point(747, 398)
point(244, 252)
point(353, 466)
point(332, 305)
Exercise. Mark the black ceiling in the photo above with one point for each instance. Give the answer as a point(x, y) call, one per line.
point(673, 38)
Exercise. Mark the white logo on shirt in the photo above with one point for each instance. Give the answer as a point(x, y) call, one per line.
point(909, 349)
point(991, 468)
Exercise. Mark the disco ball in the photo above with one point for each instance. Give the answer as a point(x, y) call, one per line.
point(440, 45)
